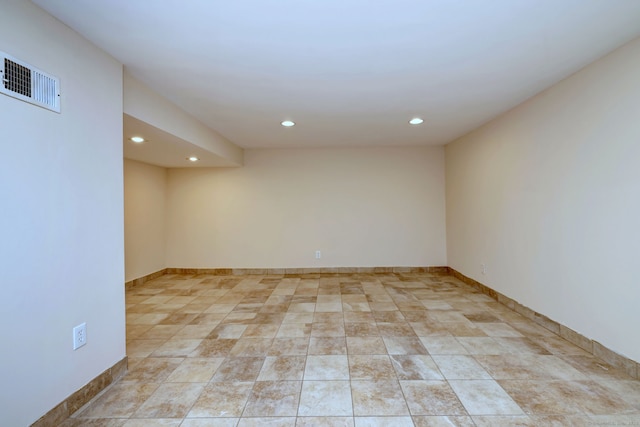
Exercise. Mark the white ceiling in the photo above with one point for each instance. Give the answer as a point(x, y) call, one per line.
point(350, 72)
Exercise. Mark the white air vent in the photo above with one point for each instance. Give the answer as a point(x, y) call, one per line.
point(22, 81)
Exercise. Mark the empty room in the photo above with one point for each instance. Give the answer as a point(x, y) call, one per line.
point(340, 213)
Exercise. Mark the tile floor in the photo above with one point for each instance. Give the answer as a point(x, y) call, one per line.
point(348, 350)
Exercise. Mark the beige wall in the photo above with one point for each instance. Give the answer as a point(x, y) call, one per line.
point(61, 219)
point(144, 218)
point(548, 196)
point(360, 207)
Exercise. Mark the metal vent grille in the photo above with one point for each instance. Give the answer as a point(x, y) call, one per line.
point(21, 81)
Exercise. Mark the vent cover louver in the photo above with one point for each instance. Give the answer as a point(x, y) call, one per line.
point(22, 81)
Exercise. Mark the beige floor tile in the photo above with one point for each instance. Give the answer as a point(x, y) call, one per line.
point(170, 400)
point(289, 347)
point(383, 422)
point(273, 399)
point(404, 345)
point(155, 422)
point(324, 421)
point(327, 368)
point(223, 399)
point(431, 398)
point(294, 330)
point(213, 348)
point(529, 367)
point(210, 422)
point(484, 397)
point(268, 421)
point(378, 398)
point(176, 348)
point(285, 368)
point(371, 367)
point(248, 347)
point(327, 345)
point(152, 369)
point(460, 368)
point(443, 345)
point(443, 421)
point(321, 398)
point(365, 345)
point(120, 400)
point(239, 369)
point(415, 367)
point(195, 370)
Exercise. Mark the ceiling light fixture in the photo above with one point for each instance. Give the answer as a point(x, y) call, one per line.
point(193, 159)
point(137, 139)
point(287, 123)
point(416, 121)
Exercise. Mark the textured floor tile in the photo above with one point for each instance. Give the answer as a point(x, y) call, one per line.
point(481, 345)
point(285, 368)
point(227, 331)
point(529, 367)
point(431, 398)
point(416, 367)
point(268, 421)
point(505, 421)
point(194, 332)
point(404, 345)
point(327, 368)
point(213, 348)
point(327, 345)
point(430, 329)
point(443, 421)
point(120, 400)
point(383, 422)
point(86, 422)
point(152, 369)
point(289, 347)
point(371, 367)
point(443, 345)
point(372, 398)
point(170, 400)
point(273, 399)
point(365, 345)
point(195, 370)
point(261, 331)
point(485, 397)
point(143, 348)
point(540, 397)
point(159, 332)
point(327, 330)
point(224, 399)
point(247, 347)
point(520, 345)
point(322, 398)
point(324, 422)
point(460, 368)
point(210, 422)
point(399, 329)
point(499, 330)
point(294, 330)
point(361, 329)
point(155, 422)
point(176, 348)
point(298, 318)
point(239, 369)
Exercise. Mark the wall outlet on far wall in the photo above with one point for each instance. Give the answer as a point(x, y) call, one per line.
point(79, 336)
point(483, 268)
point(318, 254)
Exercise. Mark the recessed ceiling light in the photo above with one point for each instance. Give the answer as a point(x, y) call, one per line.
point(416, 121)
point(193, 159)
point(287, 123)
point(137, 139)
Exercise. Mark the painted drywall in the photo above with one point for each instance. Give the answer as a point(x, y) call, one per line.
point(359, 207)
point(146, 105)
point(61, 219)
point(144, 218)
point(548, 197)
